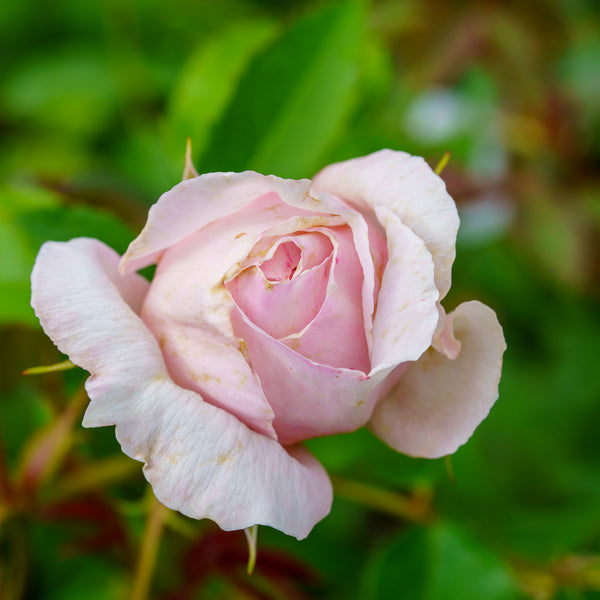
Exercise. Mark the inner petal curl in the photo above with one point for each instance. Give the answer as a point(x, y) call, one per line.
point(283, 264)
point(283, 294)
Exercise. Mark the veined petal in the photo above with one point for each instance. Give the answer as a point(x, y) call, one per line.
point(439, 402)
point(309, 399)
point(195, 203)
point(369, 245)
point(407, 186)
point(199, 459)
point(407, 315)
point(281, 308)
point(188, 306)
point(336, 336)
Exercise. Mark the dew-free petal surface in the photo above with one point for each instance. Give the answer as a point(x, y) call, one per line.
point(188, 306)
point(195, 203)
point(336, 336)
point(309, 399)
point(407, 314)
point(407, 186)
point(438, 402)
point(199, 459)
point(280, 308)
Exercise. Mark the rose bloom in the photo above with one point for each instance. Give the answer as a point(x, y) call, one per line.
point(280, 310)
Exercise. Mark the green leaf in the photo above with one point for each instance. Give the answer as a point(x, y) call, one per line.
point(294, 99)
point(436, 563)
point(28, 217)
point(209, 80)
point(70, 90)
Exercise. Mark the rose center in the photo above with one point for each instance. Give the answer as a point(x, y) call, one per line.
point(283, 264)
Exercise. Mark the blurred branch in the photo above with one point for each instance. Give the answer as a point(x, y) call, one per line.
point(6, 489)
point(575, 572)
point(415, 508)
point(149, 550)
point(94, 475)
point(13, 570)
point(44, 453)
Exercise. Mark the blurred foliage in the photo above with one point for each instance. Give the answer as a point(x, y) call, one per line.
point(96, 101)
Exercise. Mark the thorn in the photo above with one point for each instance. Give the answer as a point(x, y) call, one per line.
point(189, 171)
point(61, 366)
point(442, 164)
point(251, 535)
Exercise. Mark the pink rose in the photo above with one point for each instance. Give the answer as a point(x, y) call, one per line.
point(280, 310)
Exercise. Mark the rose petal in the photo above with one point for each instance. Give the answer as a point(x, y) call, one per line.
point(369, 244)
point(284, 262)
point(337, 337)
point(188, 306)
point(439, 402)
point(407, 315)
point(195, 203)
point(267, 291)
point(408, 187)
point(283, 307)
point(199, 459)
point(443, 338)
point(309, 399)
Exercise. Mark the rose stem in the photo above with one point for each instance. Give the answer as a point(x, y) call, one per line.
point(251, 534)
point(148, 550)
point(415, 508)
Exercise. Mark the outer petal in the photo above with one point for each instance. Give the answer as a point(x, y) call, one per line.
point(439, 402)
point(195, 203)
point(337, 336)
point(406, 185)
point(309, 399)
point(187, 307)
point(199, 459)
point(369, 244)
point(406, 314)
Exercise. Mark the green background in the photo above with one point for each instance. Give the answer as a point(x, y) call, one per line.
point(96, 101)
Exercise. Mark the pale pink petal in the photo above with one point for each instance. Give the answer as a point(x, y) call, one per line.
point(439, 402)
point(407, 315)
point(314, 246)
point(443, 338)
point(199, 459)
point(336, 336)
point(407, 186)
point(284, 262)
point(188, 306)
point(195, 203)
point(369, 244)
point(282, 283)
point(281, 308)
point(309, 399)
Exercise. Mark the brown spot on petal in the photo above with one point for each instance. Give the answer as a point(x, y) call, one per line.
point(203, 378)
point(224, 457)
point(293, 343)
point(244, 349)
